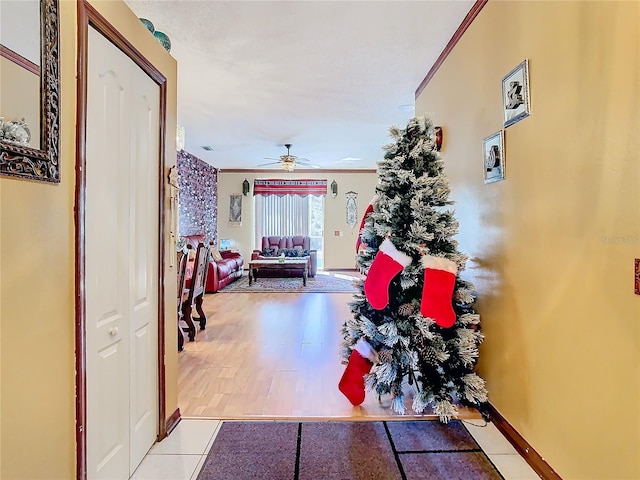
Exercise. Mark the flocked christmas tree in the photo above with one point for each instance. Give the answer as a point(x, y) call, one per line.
point(414, 319)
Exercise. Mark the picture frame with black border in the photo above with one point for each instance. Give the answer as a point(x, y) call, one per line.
point(493, 157)
point(516, 101)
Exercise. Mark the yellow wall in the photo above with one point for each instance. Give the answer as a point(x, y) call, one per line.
point(37, 283)
point(552, 247)
point(339, 250)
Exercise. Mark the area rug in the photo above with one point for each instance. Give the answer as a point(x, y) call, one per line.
point(321, 283)
point(409, 450)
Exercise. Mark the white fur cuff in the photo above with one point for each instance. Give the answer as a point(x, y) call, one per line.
point(439, 263)
point(366, 350)
point(389, 248)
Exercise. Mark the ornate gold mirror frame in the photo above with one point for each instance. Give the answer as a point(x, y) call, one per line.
point(32, 163)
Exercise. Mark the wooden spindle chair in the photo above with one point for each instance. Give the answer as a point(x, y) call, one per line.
point(183, 260)
point(195, 293)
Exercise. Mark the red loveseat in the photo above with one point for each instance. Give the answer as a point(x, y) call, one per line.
point(223, 271)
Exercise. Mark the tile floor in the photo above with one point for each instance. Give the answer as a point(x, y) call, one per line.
point(181, 455)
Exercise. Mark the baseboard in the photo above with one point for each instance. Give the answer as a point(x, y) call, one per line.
point(526, 451)
point(173, 421)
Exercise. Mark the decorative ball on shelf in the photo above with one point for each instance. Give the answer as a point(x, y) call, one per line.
point(163, 39)
point(148, 24)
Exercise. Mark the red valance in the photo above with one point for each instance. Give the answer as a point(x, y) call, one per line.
point(276, 186)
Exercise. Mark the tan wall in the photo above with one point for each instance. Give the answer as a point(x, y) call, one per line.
point(37, 283)
point(552, 247)
point(339, 250)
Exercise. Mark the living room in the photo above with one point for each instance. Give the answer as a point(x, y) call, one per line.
point(205, 207)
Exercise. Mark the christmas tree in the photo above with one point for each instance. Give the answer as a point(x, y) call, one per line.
point(413, 320)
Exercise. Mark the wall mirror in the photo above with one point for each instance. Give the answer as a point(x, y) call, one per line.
point(35, 158)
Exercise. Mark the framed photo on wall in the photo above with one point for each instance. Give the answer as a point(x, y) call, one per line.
point(493, 157)
point(516, 103)
point(235, 210)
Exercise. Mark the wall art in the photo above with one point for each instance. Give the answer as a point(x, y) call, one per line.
point(515, 94)
point(235, 210)
point(352, 208)
point(493, 157)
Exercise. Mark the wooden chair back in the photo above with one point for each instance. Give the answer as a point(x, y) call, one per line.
point(183, 260)
point(199, 275)
point(195, 294)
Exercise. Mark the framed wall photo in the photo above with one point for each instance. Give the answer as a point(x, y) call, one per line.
point(493, 157)
point(235, 210)
point(516, 102)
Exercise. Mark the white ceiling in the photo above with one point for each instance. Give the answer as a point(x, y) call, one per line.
point(326, 76)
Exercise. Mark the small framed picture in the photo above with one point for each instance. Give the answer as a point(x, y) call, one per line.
point(515, 94)
point(493, 157)
point(235, 210)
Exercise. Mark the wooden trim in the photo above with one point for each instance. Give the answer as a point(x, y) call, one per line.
point(162, 179)
point(473, 13)
point(88, 15)
point(526, 451)
point(171, 423)
point(19, 60)
point(79, 221)
point(297, 170)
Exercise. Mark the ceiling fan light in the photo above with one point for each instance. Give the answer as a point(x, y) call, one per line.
point(289, 165)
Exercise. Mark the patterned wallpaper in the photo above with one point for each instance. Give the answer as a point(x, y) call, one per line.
point(198, 187)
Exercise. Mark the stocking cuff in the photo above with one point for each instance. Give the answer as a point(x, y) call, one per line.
point(365, 349)
point(389, 248)
point(439, 263)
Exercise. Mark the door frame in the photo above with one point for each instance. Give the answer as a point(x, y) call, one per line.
point(89, 16)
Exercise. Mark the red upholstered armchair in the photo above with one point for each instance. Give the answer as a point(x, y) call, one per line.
point(272, 245)
point(227, 268)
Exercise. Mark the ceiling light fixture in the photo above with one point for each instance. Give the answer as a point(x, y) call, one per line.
point(406, 108)
point(288, 162)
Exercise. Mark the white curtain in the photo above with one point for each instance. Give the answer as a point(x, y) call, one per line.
point(282, 215)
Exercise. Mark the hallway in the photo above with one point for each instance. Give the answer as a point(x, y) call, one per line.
point(275, 356)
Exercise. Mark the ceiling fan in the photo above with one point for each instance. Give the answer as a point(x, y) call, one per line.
point(289, 162)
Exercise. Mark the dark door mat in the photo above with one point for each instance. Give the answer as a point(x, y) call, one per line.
point(414, 450)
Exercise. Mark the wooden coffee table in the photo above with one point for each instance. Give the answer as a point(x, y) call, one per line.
point(298, 262)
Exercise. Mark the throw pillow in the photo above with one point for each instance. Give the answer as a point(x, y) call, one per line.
point(215, 254)
point(268, 252)
point(291, 252)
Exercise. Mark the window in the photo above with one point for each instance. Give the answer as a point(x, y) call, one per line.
point(291, 214)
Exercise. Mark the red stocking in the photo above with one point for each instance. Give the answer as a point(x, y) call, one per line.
point(367, 212)
point(439, 281)
point(360, 363)
point(388, 263)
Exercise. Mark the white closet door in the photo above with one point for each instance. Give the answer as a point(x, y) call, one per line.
point(121, 231)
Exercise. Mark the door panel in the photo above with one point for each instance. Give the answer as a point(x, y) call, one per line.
point(106, 225)
point(144, 265)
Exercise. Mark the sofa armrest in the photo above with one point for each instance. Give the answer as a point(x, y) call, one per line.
point(212, 277)
point(255, 254)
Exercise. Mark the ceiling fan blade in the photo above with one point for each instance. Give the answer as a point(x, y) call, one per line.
point(270, 163)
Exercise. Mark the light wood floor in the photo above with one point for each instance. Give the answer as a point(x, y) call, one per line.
point(274, 355)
